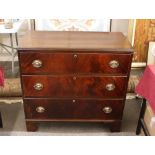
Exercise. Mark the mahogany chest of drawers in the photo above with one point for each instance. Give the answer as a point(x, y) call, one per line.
point(74, 76)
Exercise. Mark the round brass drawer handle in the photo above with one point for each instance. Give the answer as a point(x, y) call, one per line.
point(107, 110)
point(38, 86)
point(40, 109)
point(73, 101)
point(74, 77)
point(114, 64)
point(75, 56)
point(110, 87)
point(37, 63)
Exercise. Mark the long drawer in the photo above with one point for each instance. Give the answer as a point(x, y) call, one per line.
point(73, 86)
point(60, 63)
point(73, 109)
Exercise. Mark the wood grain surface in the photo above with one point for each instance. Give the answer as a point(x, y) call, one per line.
point(67, 109)
point(83, 63)
point(76, 41)
point(74, 73)
point(67, 86)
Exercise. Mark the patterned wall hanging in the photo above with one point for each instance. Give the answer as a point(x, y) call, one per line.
point(73, 24)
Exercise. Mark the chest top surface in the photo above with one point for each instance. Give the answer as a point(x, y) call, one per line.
point(75, 41)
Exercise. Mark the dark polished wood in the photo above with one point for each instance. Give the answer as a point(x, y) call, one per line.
point(115, 126)
point(31, 126)
point(75, 41)
point(73, 86)
point(82, 63)
point(67, 76)
point(73, 109)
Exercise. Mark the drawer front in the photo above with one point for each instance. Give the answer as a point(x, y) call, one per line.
point(106, 63)
point(46, 63)
point(73, 86)
point(73, 109)
point(60, 63)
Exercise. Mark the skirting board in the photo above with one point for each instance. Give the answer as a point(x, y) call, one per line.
point(11, 100)
point(138, 64)
point(7, 58)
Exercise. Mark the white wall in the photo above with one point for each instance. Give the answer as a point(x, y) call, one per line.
point(120, 25)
